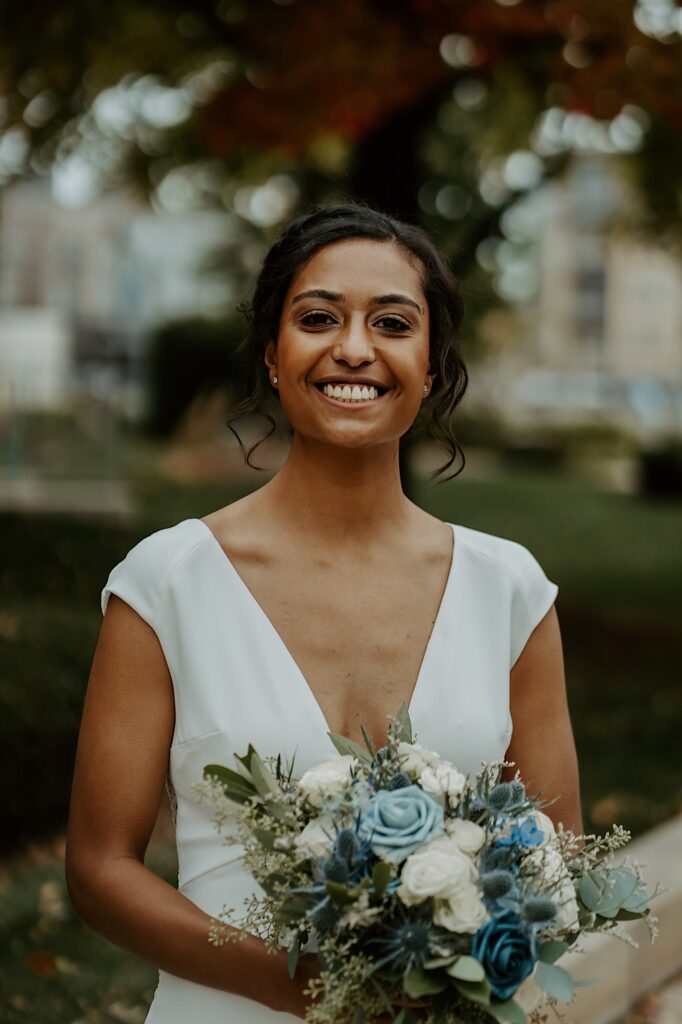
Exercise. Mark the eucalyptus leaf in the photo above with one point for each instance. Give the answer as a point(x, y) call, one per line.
point(508, 1012)
point(477, 992)
point(555, 981)
point(358, 1016)
point(552, 950)
point(467, 968)
point(418, 983)
point(346, 746)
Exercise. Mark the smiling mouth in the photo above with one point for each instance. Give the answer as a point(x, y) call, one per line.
point(374, 394)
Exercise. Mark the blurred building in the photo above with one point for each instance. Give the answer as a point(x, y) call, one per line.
point(81, 287)
point(600, 340)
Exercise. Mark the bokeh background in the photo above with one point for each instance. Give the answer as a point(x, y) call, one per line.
point(149, 154)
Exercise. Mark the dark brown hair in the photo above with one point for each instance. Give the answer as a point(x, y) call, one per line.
point(300, 240)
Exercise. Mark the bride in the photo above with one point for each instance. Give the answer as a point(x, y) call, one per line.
point(318, 603)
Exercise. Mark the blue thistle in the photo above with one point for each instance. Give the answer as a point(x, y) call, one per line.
point(539, 910)
point(399, 781)
point(497, 883)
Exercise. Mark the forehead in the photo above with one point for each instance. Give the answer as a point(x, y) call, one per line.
point(360, 266)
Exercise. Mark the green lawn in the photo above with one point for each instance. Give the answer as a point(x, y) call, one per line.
point(617, 561)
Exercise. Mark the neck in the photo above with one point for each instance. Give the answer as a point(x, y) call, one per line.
point(340, 493)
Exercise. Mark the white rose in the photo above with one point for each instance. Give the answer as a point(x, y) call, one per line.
point(414, 758)
point(439, 869)
point(314, 840)
point(441, 779)
point(464, 911)
point(329, 777)
point(469, 836)
point(555, 881)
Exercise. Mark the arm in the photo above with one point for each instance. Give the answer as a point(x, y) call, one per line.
point(542, 744)
point(120, 772)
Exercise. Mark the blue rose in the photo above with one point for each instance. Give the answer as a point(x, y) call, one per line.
point(397, 822)
point(505, 952)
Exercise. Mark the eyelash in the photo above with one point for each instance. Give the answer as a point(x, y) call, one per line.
point(404, 326)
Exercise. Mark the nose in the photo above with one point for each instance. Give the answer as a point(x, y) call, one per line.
point(354, 344)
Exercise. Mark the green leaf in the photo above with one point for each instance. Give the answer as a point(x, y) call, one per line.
point(294, 907)
point(358, 1016)
point(418, 983)
point(346, 746)
point(235, 786)
point(552, 950)
point(245, 759)
point(368, 742)
point(555, 981)
point(467, 968)
point(404, 724)
point(476, 991)
point(381, 876)
point(263, 779)
point(509, 1012)
point(586, 981)
point(340, 894)
point(292, 957)
point(265, 838)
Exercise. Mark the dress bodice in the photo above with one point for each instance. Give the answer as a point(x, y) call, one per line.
point(235, 683)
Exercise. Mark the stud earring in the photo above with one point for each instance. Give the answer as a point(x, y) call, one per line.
point(426, 389)
point(274, 380)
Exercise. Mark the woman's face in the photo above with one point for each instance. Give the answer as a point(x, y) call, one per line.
point(367, 325)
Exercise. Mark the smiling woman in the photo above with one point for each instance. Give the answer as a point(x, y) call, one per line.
point(317, 604)
point(428, 308)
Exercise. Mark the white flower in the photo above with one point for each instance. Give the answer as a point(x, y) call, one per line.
point(329, 777)
point(554, 880)
point(464, 911)
point(414, 758)
point(438, 869)
point(316, 839)
point(469, 836)
point(441, 779)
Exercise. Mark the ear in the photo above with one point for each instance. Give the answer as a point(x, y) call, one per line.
point(270, 356)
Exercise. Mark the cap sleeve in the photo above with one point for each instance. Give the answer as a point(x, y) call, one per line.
point(533, 596)
point(139, 579)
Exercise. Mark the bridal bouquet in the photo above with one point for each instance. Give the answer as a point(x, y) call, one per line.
point(413, 883)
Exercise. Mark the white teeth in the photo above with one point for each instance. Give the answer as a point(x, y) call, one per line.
point(347, 393)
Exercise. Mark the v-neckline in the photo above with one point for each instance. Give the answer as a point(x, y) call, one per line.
point(307, 689)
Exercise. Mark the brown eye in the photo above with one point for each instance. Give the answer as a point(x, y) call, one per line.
point(308, 320)
point(399, 325)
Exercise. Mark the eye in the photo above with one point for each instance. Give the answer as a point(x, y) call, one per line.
point(308, 320)
point(399, 327)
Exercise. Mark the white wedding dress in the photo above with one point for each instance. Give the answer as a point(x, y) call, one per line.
point(236, 683)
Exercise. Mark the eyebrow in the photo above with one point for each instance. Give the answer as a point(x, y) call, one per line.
point(378, 300)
